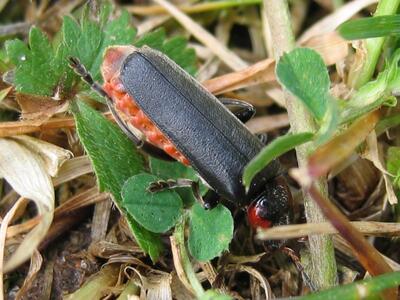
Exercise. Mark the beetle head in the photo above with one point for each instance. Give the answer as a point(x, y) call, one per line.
point(272, 206)
point(113, 59)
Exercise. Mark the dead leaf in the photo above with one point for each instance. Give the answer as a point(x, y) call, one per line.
point(39, 108)
point(371, 153)
point(26, 164)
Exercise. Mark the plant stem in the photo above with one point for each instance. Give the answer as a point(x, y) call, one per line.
point(179, 235)
point(321, 247)
point(360, 75)
point(190, 9)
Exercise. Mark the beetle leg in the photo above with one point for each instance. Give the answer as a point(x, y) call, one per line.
point(209, 201)
point(246, 110)
point(263, 137)
point(147, 147)
point(160, 185)
point(245, 113)
point(296, 260)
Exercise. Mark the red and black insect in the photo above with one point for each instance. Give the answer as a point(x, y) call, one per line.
point(181, 120)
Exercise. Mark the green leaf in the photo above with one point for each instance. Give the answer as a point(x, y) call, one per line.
point(372, 27)
point(115, 32)
point(150, 242)
point(34, 73)
point(272, 151)
point(214, 295)
point(387, 123)
point(114, 160)
point(329, 123)
point(210, 231)
point(17, 51)
point(365, 289)
point(375, 93)
point(393, 164)
point(302, 71)
point(42, 70)
point(174, 170)
point(153, 39)
point(157, 212)
point(175, 48)
point(88, 40)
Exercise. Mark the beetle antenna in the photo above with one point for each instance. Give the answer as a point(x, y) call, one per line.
point(80, 70)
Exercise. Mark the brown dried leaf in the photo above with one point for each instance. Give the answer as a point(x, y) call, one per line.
point(4, 93)
point(34, 268)
point(336, 150)
point(158, 286)
point(52, 156)
point(367, 255)
point(39, 108)
point(24, 127)
point(331, 47)
point(26, 164)
point(371, 152)
point(267, 123)
point(254, 273)
point(25, 171)
point(226, 55)
point(178, 265)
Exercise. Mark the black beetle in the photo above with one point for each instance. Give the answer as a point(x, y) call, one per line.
point(179, 115)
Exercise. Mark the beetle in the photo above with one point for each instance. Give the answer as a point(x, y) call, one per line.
point(182, 121)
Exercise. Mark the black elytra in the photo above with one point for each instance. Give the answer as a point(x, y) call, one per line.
point(217, 145)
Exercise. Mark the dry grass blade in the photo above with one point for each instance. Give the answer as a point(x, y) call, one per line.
point(151, 23)
point(27, 173)
point(300, 230)
point(158, 286)
point(27, 163)
point(332, 21)
point(254, 273)
point(344, 247)
point(3, 231)
point(107, 250)
point(178, 265)
point(367, 255)
point(98, 285)
point(72, 169)
point(223, 53)
point(372, 153)
point(86, 198)
point(24, 127)
point(267, 123)
point(332, 48)
point(39, 109)
point(34, 268)
point(3, 3)
point(261, 72)
point(100, 220)
point(146, 10)
point(52, 156)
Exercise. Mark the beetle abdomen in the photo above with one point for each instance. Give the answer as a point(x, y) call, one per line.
point(126, 104)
